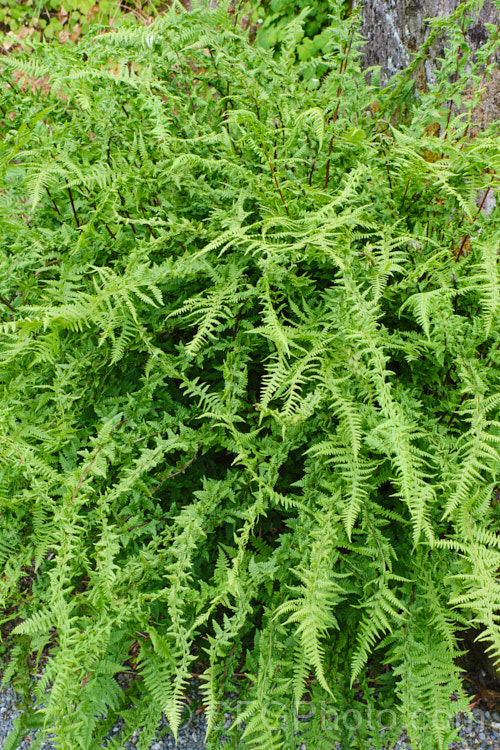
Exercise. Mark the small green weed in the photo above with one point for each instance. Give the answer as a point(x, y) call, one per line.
point(65, 20)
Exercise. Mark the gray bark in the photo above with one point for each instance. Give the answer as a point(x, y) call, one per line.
point(394, 29)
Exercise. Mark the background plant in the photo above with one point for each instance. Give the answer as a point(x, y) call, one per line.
point(275, 15)
point(66, 20)
point(250, 383)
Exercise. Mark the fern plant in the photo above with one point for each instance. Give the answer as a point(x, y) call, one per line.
point(249, 385)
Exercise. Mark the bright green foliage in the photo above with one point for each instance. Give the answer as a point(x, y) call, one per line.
point(250, 384)
point(277, 14)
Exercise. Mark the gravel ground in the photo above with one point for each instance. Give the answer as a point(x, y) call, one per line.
point(190, 736)
point(481, 734)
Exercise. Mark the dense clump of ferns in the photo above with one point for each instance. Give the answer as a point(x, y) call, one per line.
point(250, 396)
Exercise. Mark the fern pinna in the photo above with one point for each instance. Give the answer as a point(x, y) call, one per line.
point(250, 384)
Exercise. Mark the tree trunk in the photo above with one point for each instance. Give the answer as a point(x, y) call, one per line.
point(394, 29)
